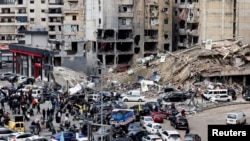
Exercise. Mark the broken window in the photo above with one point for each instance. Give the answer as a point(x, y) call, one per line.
point(124, 46)
point(74, 18)
point(124, 34)
point(195, 40)
point(110, 59)
point(166, 21)
point(150, 46)
point(109, 34)
point(166, 47)
point(124, 59)
point(151, 33)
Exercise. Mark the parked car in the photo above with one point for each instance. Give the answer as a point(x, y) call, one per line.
point(170, 135)
point(67, 136)
point(246, 95)
point(119, 104)
point(236, 118)
point(157, 117)
point(152, 105)
point(153, 128)
point(192, 137)
point(19, 136)
point(151, 138)
point(179, 122)
point(134, 127)
point(139, 135)
point(175, 97)
point(5, 76)
point(145, 120)
point(36, 138)
point(221, 98)
point(4, 132)
point(138, 98)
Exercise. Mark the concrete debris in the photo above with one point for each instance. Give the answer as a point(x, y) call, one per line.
point(226, 58)
point(66, 77)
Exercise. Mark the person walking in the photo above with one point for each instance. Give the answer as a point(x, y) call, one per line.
point(44, 113)
point(38, 108)
point(48, 114)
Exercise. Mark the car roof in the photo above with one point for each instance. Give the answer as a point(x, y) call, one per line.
point(19, 133)
point(154, 136)
point(147, 116)
point(35, 137)
point(172, 132)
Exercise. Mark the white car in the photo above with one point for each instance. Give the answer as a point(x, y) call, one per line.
point(22, 79)
point(138, 98)
point(151, 138)
point(19, 136)
point(36, 138)
point(221, 98)
point(144, 120)
point(154, 128)
point(170, 135)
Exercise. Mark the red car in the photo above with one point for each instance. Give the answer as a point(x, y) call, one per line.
point(167, 113)
point(158, 118)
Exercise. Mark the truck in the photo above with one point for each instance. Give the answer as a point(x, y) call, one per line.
point(122, 116)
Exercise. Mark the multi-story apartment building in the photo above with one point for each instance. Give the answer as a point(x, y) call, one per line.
point(63, 19)
point(199, 20)
point(120, 31)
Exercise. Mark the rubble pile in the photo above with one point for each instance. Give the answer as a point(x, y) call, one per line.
point(65, 76)
point(187, 66)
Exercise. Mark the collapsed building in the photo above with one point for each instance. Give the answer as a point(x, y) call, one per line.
point(225, 61)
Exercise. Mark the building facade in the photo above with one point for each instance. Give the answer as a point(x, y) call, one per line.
point(196, 21)
point(34, 58)
point(118, 32)
point(63, 19)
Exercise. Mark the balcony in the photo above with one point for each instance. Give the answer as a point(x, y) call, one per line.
point(7, 14)
point(182, 31)
point(70, 10)
point(126, 14)
point(55, 23)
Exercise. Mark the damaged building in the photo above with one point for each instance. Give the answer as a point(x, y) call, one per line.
point(120, 31)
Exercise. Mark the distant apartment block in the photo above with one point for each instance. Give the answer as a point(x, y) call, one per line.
point(195, 21)
point(118, 32)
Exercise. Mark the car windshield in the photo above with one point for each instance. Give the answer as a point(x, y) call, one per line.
point(175, 136)
point(157, 127)
point(148, 119)
point(188, 138)
point(232, 116)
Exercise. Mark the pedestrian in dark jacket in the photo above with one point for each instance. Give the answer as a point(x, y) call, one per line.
point(38, 109)
point(48, 114)
point(44, 113)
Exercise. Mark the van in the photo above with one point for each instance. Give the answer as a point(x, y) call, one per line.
point(211, 93)
point(131, 92)
point(236, 118)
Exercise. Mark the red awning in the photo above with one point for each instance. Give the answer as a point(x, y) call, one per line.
point(26, 53)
